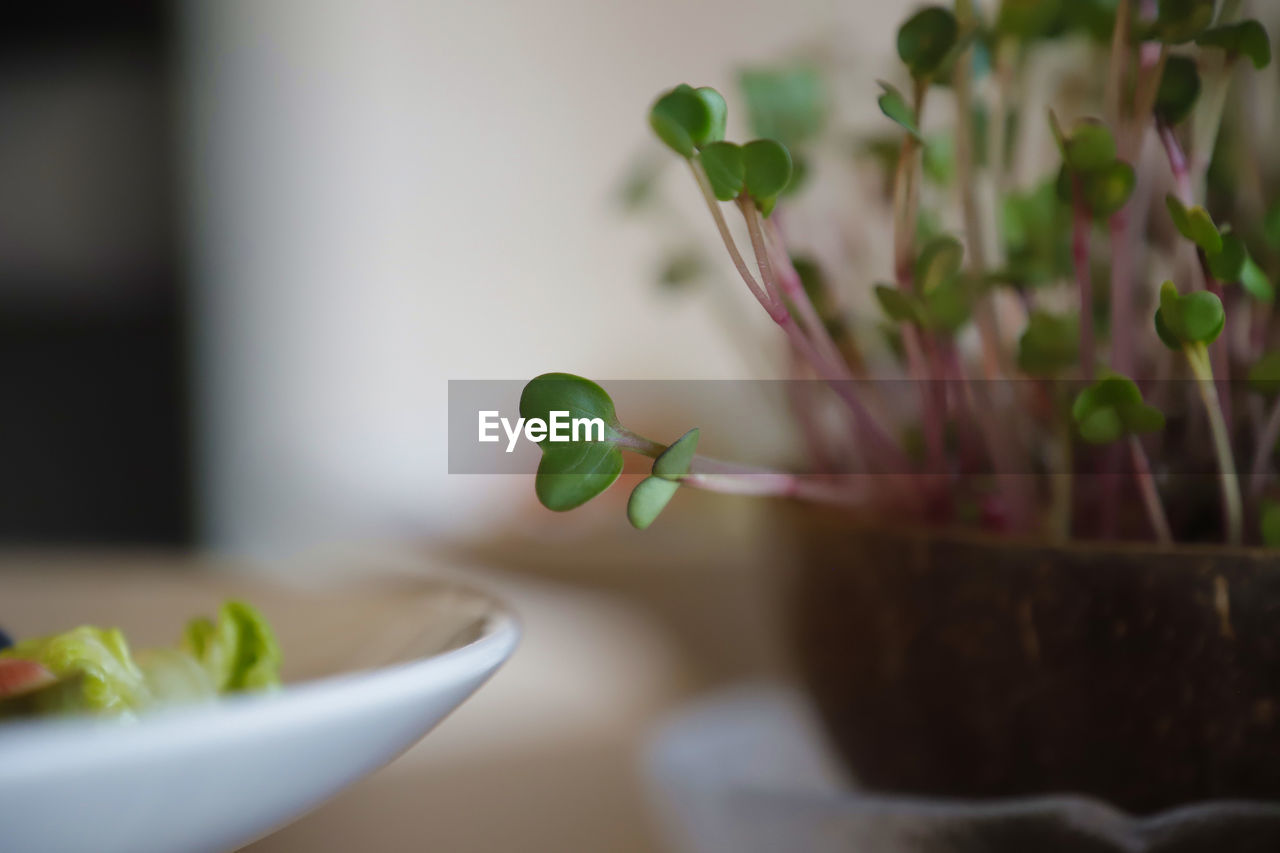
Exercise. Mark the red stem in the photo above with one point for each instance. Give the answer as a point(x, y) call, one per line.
point(1150, 496)
point(815, 489)
point(1084, 282)
point(1122, 325)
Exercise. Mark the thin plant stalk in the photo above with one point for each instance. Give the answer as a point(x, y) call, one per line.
point(997, 138)
point(1267, 439)
point(1122, 324)
point(1081, 224)
point(1116, 69)
point(771, 254)
point(1183, 181)
point(781, 485)
point(984, 316)
point(636, 443)
point(1206, 118)
point(904, 220)
point(766, 300)
point(1062, 486)
point(1122, 358)
point(1130, 136)
point(882, 448)
point(835, 373)
point(734, 478)
point(1150, 495)
point(1232, 505)
point(823, 457)
point(1151, 68)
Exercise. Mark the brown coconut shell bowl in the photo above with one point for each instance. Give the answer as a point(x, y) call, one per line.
point(965, 666)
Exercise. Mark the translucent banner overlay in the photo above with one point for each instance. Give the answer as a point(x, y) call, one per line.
point(973, 428)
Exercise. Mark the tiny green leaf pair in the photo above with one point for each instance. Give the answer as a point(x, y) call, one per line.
point(761, 168)
point(926, 39)
point(895, 107)
point(899, 305)
point(941, 298)
point(652, 494)
point(1112, 408)
point(938, 263)
point(572, 473)
point(1245, 38)
point(1050, 345)
point(1234, 265)
point(1225, 253)
point(1089, 158)
point(944, 309)
point(1195, 224)
point(686, 118)
point(1186, 320)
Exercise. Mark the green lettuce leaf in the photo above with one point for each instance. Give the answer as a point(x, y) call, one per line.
point(238, 651)
point(175, 677)
point(95, 672)
point(94, 668)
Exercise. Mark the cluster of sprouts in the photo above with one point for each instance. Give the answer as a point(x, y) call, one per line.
point(1102, 416)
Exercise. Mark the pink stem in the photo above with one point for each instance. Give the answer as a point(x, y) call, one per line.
point(831, 369)
point(1218, 349)
point(882, 449)
point(735, 478)
point(1177, 163)
point(1150, 495)
point(793, 289)
point(822, 457)
point(835, 373)
point(1084, 282)
point(1122, 325)
point(817, 490)
point(931, 417)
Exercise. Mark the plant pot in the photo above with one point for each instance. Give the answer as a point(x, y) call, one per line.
point(971, 667)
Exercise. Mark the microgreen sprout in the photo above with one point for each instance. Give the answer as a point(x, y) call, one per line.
point(1036, 284)
point(1189, 323)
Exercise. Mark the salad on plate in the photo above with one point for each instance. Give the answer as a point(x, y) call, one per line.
point(93, 670)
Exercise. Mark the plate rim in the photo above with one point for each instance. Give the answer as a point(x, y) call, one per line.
point(46, 747)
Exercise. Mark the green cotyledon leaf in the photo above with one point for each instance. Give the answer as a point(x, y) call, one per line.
point(926, 38)
point(682, 119)
point(1245, 38)
point(725, 168)
point(767, 169)
point(675, 461)
point(649, 498)
point(573, 472)
point(895, 107)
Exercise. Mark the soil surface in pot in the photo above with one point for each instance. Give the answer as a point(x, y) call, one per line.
point(967, 667)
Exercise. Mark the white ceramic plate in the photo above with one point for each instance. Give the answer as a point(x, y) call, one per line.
point(369, 672)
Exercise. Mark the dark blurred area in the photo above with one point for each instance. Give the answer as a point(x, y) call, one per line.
point(94, 444)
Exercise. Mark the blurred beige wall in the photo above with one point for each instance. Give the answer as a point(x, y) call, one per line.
point(388, 195)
